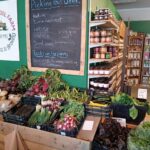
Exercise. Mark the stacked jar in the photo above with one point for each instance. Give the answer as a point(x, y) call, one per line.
point(96, 69)
point(99, 83)
point(106, 36)
point(95, 35)
point(112, 50)
point(103, 14)
point(104, 52)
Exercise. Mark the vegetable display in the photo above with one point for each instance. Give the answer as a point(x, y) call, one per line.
point(53, 91)
point(39, 88)
point(20, 81)
point(125, 99)
point(70, 118)
point(111, 136)
point(68, 123)
point(74, 109)
point(45, 112)
point(139, 138)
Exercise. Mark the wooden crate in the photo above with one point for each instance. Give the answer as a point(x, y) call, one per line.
point(42, 140)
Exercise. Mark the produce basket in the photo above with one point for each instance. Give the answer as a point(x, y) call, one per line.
point(31, 100)
point(122, 111)
point(48, 126)
point(45, 115)
point(71, 133)
point(102, 111)
point(20, 113)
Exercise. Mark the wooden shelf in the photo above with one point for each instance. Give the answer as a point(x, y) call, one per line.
point(118, 90)
point(133, 67)
point(118, 43)
point(146, 75)
point(134, 51)
point(104, 24)
point(93, 60)
point(112, 87)
point(134, 59)
point(133, 76)
point(93, 45)
point(136, 37)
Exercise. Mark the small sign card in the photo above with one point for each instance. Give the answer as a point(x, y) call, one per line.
point(142, 93)
point(88, 125)
point(122, 121)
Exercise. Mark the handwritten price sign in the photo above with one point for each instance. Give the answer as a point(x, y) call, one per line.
point(142, 93)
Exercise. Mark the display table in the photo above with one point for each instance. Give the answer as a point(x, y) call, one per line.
point(42, 140)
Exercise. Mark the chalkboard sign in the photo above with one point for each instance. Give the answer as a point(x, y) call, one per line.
point(56, 35)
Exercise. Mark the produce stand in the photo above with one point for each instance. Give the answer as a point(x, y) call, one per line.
point(37, 139)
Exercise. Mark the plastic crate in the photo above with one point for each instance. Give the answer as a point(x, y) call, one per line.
point(31, 100)
point(98, 111)
point(20, 113)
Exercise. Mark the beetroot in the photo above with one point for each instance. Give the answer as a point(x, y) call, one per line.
point(39, 88)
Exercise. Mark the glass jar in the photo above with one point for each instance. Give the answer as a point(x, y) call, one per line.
point(102, 55)
point(92, 40)
point(91, 33)
point(96, 40)
point(107, 55)
point(103, 39)
point(103, 49)
point(103, 33)
point(108, 39)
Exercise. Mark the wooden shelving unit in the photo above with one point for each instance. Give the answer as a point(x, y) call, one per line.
point(134, 58)
point(145, 77)
point(113, 26)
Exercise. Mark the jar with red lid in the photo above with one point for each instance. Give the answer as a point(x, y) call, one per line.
point(92, 33)
point(96, 40)
point(97, 32)
point(103, 39)
point(103, 33)
point(92, 39)
point(108, 39)
point(109, 33)
point(96, 17)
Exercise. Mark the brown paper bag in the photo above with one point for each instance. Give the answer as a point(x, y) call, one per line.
point(14, 141)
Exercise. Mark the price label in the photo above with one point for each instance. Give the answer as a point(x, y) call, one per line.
point(88, 125)
point(142, 93)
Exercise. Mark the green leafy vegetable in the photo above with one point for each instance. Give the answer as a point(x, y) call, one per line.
point(139, 138)
point(133, 112)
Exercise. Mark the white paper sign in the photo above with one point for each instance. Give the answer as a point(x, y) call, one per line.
point(122, 121)
point(88, 125)
point(142, 93)
point(9, 45)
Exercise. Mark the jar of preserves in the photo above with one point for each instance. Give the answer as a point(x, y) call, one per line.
point(102, 56)
point(103, 39)
point(103, 33)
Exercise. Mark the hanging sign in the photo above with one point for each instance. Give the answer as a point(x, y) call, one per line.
point(9, 45)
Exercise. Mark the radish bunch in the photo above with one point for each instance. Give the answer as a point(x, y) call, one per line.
point(69, 123)
point(52, 104)
point(39, 88)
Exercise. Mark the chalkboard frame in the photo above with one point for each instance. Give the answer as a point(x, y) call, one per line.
point(83, 43)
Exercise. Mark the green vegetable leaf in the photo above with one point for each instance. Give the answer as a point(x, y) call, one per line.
point(133, 112)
